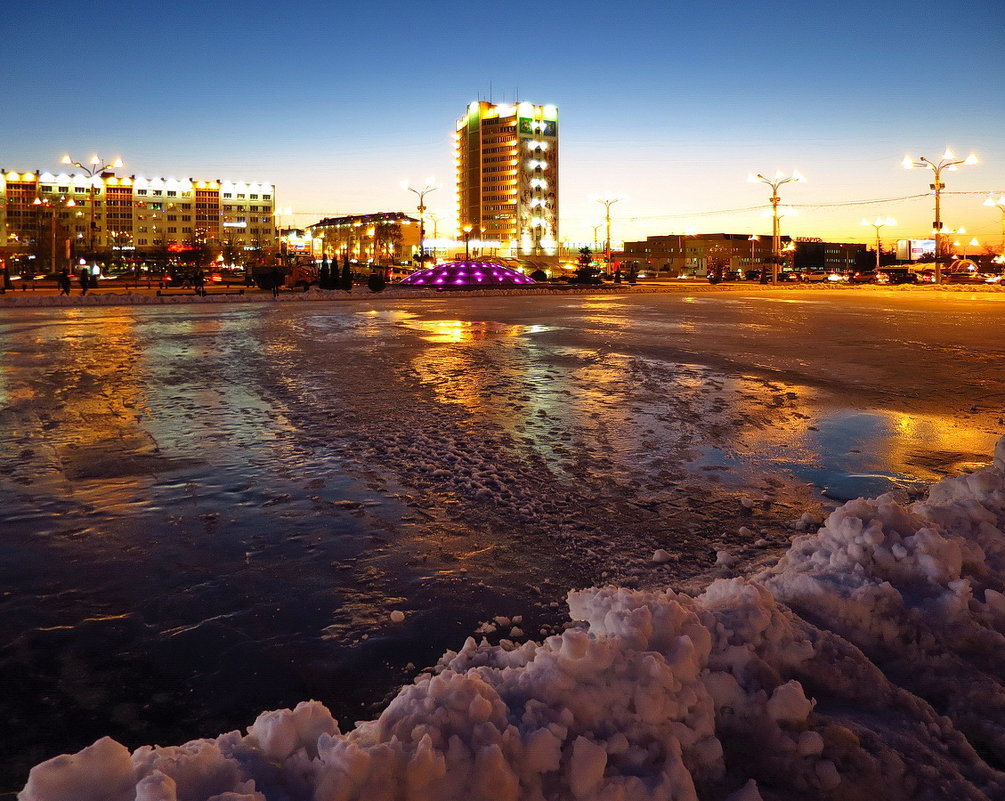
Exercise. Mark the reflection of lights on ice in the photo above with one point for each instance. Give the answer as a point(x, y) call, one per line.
point(870, 644)
point(461, 273)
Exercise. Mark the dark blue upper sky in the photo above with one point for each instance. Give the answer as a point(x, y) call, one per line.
point(670, 104)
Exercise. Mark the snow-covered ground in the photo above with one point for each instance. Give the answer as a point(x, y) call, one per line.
point(866, 663)
point(213, 505)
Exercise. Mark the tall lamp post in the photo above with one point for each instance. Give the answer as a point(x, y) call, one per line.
point(948, 162)
point(50, 208)
point(421, 192)
point(779, 180)
point(879, 223)
point(467, 238)
point(1000, 205)
point(94, 167)
point(595, 239)
point(607, 202)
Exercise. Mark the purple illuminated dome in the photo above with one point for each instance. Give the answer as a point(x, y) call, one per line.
point(468, 274)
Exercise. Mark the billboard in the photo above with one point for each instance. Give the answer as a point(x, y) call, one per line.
point(915, 249)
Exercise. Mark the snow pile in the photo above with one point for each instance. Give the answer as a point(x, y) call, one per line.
point(863, 665)
point(921, 590)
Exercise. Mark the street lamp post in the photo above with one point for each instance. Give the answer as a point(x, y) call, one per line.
point(608, 202)
point(467, 237)
point(1000, 205)
point(776, 240)
point(879, 223)
point(595, 240)
point(948, 162)
point(95, 167)
point(50, 207)
point(421, 192)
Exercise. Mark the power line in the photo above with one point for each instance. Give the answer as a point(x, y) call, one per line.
point(870, 202)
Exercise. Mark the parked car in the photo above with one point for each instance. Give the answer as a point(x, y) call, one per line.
point(892, 275)
point(815, 276)
point(964, 278)
point(864, 277)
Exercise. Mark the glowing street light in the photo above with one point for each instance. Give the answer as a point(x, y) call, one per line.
point(998, 203)
point(467, 238)
point(50, 206)
point(94, 167)
point(776, 240)
point(430, 186)
point(948, 162)
point(752, 239)
point(879, 223)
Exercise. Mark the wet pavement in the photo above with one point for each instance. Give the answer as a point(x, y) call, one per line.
point(211, 511)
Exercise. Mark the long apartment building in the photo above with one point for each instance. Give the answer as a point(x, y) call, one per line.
point(695, 254)
point(507, 177)
point(71, 211)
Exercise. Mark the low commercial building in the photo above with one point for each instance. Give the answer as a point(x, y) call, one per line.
point(384, 238)
point(831, 257)
point(675, 255)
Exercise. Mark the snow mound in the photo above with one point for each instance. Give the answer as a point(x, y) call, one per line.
point(866, 663)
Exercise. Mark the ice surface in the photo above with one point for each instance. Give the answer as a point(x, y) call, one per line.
point(865, 664)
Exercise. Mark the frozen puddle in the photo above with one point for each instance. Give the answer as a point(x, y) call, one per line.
point(851, 453)
point(444, 331)
point(865, 663)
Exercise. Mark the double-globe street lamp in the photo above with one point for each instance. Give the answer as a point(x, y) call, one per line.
point(880, 222)
point(422, 191)
point(998, 203)
point(948, 162)
point(608, 201)
point(94, 167)
point(780, 179)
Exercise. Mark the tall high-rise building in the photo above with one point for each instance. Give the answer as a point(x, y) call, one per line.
point(507, 177)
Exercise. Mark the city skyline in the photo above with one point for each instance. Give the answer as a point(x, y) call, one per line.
point(669, 108)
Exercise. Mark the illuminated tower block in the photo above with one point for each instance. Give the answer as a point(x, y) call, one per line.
point(507, 178)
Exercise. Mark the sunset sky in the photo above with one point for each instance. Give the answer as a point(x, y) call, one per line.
point(667, 104)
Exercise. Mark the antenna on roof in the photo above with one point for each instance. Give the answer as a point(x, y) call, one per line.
point(490, 91)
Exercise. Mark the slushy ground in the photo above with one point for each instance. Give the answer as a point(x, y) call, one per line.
point(214, 510)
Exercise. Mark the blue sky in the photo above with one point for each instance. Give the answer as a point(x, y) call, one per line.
point(666, 103)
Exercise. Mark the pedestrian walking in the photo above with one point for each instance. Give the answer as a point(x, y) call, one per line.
point(277, 280)
point(64, 282)
point(85, 280)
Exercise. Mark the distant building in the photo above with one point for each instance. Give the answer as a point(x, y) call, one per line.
point(55, 214)
point(832, 257)
point(674, 255)
point(507, 178)
point(380, 238)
